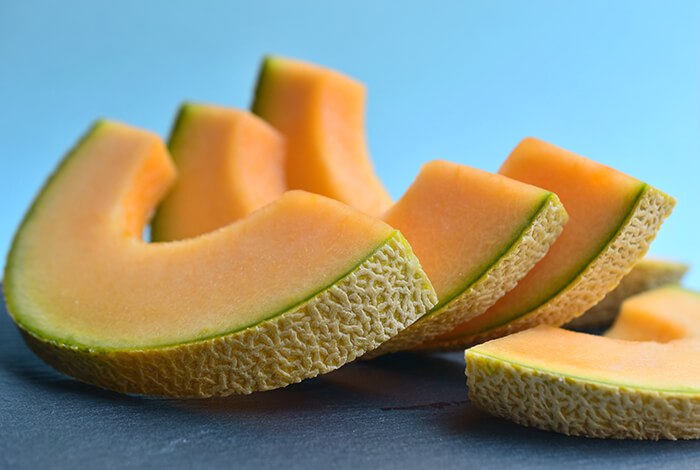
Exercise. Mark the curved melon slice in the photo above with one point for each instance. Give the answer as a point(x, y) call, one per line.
point(230, 163)
point(296, 289)
point(321, 114)
point(612, 220)
point(594, 386)
point(662, 315)
point(648, 274)
point(476, 234)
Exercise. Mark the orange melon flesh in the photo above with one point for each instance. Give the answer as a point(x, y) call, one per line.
point(321, 114)
point(598, 200)
point(79, 273)
point(230, 163)
point(664, 314)
point(460, 220)
point(644, 365)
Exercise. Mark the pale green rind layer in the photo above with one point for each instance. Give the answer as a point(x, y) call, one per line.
point(580, 406)
point(521, 254)
point(385, 294)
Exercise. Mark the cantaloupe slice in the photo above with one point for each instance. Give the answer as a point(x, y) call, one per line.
point(586, 385)
point(612, 220)
point(296, 289)
point(230, 163)
point(662, 315)
point(321, 113)
point(476, 234)
point(647, 274)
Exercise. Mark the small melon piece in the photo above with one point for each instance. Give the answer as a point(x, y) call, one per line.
point(298, 288)
point(321, 113)
point(476, 234)
point(662, 315)
point(586, 385)
point(612, 220)
point(648, 274)
point(230, 163)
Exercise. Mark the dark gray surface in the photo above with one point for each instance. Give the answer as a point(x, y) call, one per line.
point(404, 411)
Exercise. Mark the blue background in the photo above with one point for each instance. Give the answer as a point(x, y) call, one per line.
point(463, 81)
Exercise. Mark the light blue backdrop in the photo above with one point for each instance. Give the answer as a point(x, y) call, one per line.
point(464, 81)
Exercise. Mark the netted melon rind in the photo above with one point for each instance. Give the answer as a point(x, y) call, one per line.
point(381, 297)
point(577, 407)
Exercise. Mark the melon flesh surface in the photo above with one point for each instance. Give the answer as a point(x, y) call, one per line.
point(580, 384)
point(229, 162)
point(612, 220)
point(648, 274)
point(296, 289)
point(321, 113)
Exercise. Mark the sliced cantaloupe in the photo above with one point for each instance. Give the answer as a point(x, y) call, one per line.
point(612, 219)
point(298, 288)
point(586, 385)
point(321, 114)
point(230, 163)
point(647, 274)
point(662, 315)
point(476, 234)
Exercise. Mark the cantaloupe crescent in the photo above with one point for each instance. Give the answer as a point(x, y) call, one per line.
point(626, 386)
point(296, 289)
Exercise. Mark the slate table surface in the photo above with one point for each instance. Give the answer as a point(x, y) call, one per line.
point(402, 411)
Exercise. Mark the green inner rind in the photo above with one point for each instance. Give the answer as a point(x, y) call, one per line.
point(562, 286)
point(511, 245)
point(86, 347)
point(582, 378)
point(263, 76)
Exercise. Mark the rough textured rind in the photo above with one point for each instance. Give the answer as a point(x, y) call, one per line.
point(601, 276)
point(501, 277)
point(646, 275)
point(577, 407)
point(381, 297)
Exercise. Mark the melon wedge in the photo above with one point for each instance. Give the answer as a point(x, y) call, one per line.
point(612, 220)
point(321, 113)
point(298, 288)
point(662, 315)
point(648, 274)
point(586, 385)
point(230, 163)
point(476, 235)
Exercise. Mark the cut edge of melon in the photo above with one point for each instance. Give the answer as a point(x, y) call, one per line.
point(516, 392)
point(521, 254)
point(314, 337)
point(628, 245)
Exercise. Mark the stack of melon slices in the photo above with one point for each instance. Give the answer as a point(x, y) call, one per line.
point(280, 255)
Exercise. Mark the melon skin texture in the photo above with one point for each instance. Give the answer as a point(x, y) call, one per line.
point(119, 173)
point(646, 275)
point(623, 387)
point(595, 278)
